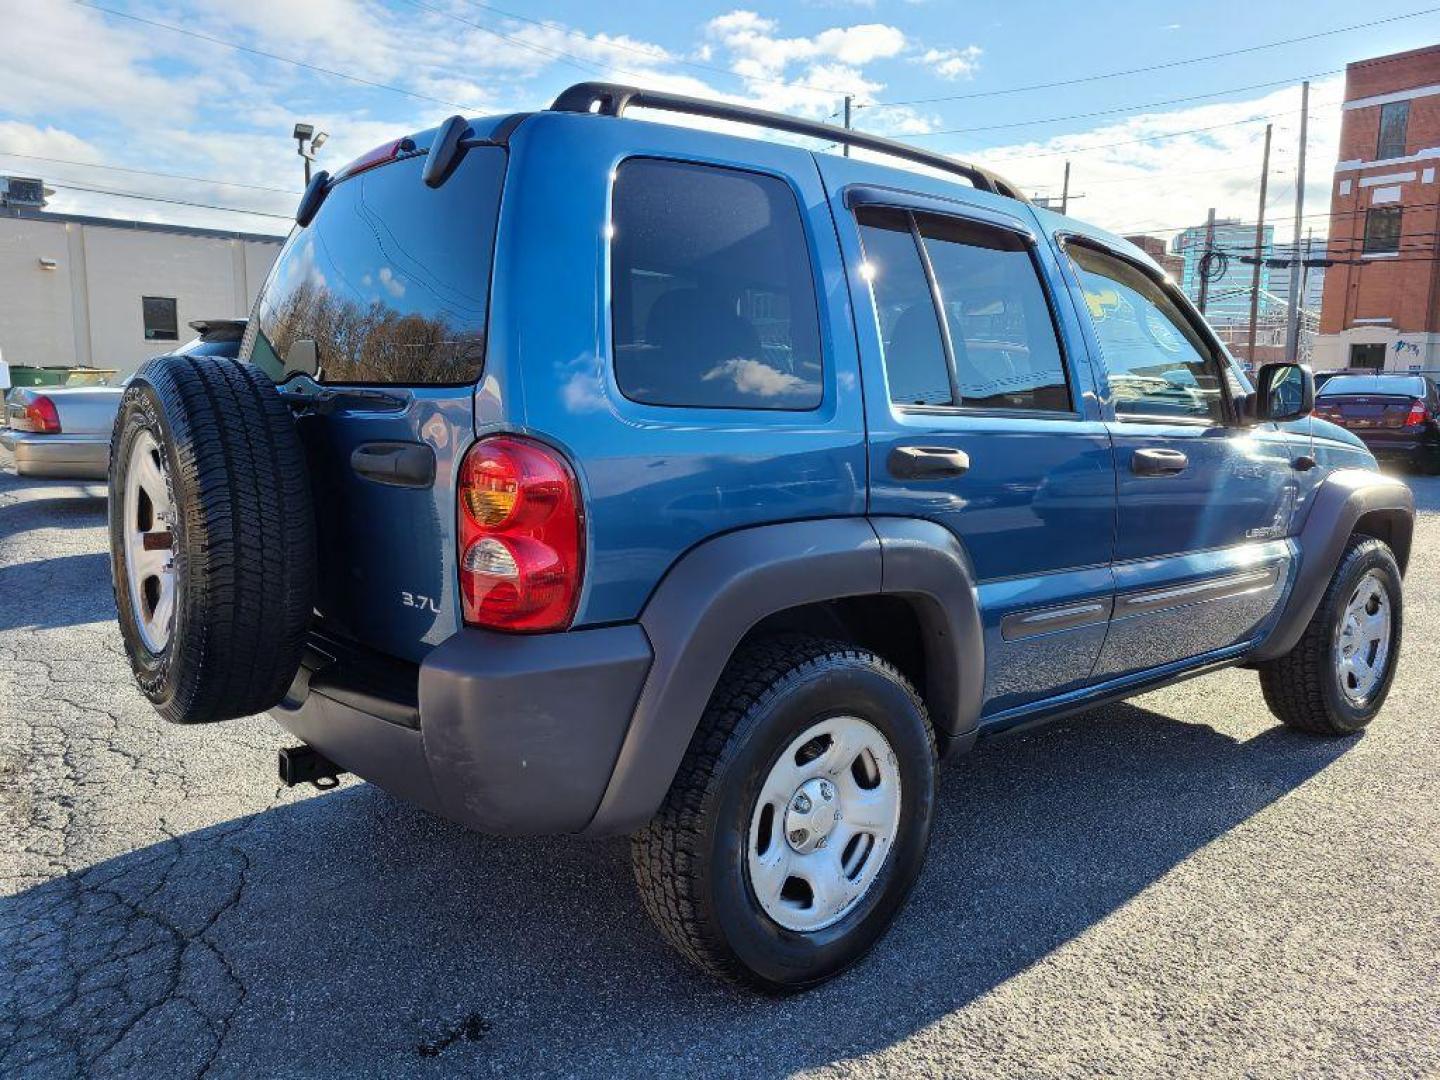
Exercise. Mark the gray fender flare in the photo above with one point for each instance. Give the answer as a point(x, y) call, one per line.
point(718, 591)
point(1340, 501)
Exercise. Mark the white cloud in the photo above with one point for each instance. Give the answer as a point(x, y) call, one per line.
point(952, 63)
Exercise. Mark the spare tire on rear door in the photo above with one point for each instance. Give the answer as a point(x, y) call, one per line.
point(212, 537)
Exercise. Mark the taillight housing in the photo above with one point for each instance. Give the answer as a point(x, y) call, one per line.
point(1417, 414)
point(521, 536)
point(39, 415)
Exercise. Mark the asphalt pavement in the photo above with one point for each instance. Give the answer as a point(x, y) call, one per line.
point(1175, 885)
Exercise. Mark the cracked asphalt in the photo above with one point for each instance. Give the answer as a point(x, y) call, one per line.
point(1173, 885)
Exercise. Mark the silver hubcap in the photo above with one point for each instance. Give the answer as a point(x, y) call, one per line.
point(149, 543)
point(1362, 644)
point(824, 823)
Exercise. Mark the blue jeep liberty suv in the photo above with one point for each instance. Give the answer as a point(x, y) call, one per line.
point(581, 474)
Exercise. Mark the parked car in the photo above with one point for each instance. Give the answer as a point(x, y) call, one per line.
point(593, 476)
point(1396, 415)
point(64, 431)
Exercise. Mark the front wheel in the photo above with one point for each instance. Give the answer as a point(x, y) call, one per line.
point(1337, 676)
point(800, 817)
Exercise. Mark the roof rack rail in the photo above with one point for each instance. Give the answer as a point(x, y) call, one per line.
point(612, 99)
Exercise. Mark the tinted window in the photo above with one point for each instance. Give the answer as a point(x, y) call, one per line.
point(712, 294)
point(161, 323)
point(915, 366)
point(391, 279)
point(1158, 363)
point(1382, 230)
point(1001, 332)
point(1372, 384)
point(1394, 120)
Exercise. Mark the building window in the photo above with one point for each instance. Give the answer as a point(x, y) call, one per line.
point(1367, 356)
point(1394, 119)
point(1382, 230)
point(161, 322)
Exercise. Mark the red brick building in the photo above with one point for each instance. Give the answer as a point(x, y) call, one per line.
point(1156, 248)
point(1382, 297)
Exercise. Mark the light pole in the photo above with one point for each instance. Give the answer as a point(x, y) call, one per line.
point(304, 133)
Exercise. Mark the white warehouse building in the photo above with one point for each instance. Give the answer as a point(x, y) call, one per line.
point(106, 293)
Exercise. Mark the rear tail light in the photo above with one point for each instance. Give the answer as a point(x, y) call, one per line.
point(39, 415)
point(1417, 415)
point(386, 152)
point(521, 549)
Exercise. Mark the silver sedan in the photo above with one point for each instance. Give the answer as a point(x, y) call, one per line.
point(65, 431)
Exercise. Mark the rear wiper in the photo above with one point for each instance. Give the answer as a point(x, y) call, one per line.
point(303, 394)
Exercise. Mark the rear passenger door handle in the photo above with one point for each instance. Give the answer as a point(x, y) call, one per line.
point(927, 462)
point(1157, 462)
point(400, 464)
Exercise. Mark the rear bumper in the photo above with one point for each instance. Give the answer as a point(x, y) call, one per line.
point(1397, 444)
point(81, 457)
point(508, 734)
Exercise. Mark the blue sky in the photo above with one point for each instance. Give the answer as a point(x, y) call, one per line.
point(92, 88)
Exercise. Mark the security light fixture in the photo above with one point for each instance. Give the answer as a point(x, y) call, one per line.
point(304, 133)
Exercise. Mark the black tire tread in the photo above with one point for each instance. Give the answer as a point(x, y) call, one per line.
point(242, 487)
point(666, 854)
point(1293, 684)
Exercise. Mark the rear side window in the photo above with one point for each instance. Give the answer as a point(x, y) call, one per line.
point(992, 316)
point(391, 280)
point(712, 294)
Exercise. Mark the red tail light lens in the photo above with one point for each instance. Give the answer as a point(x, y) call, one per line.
point(521, 550)
point(1418, 415)
point(379, 156)
point(40, 415)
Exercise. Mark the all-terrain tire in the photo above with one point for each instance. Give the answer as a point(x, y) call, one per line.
point(242, 536)
point(1303, 687)
point(690, 861)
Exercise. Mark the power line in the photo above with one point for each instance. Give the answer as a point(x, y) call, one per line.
point(1149, 138)
point(275, 56)
point(1154, 67)
point(146, 172)
point(1120, 109)
point(176, 202)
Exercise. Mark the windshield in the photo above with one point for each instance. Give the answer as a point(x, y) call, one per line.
point(1397, 385)
point(390, 281)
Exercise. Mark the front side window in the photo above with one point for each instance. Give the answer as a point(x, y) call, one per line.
point(712, 294)
point(160, 318)
point(1158, 364)
point(1394, 122)
point(1382, 230)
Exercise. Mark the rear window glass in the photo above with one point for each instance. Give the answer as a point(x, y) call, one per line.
point(712, 294)
point(391, 280)
point(1372, 384)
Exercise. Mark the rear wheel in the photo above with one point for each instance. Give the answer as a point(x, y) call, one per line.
point(211, 538)
point(799, 819)
point(1338, 675)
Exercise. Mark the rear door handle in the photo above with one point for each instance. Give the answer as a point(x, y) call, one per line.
point(399, 464)
point(1152, 461)
point(927, 462)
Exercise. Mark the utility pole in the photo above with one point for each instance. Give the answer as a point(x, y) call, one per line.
point(1203, 267)
point(1259, 247)
point(1065, 191)
point(849, 99)
point(1292, 325)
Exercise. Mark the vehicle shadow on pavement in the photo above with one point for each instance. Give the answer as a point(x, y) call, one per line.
point(351, 933)
point(66, 590)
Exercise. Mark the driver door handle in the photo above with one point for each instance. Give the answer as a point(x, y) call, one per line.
point(1154, 461)
point(927, 462)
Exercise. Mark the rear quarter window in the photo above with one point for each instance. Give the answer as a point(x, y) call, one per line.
point(391, 280)
point(713, 298)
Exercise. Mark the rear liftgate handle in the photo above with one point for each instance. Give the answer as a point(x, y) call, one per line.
point(1157, 462)
point(927, 462)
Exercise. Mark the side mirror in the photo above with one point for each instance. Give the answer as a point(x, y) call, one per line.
point(1284, 392)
